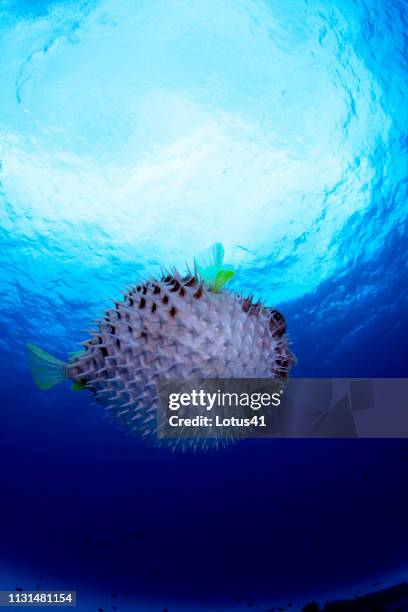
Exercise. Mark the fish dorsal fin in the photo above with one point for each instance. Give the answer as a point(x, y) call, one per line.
point(209, 265)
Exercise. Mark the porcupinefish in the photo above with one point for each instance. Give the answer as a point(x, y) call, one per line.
point(174, 326)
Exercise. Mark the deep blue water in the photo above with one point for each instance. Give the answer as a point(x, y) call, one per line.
point(137, 133)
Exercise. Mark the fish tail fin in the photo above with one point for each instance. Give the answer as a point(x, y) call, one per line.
point(46, 370)
point(209, 265)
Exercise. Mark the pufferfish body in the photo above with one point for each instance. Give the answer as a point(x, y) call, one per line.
point(175, 326)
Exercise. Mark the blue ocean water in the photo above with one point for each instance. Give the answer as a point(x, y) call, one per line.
point(135, 134)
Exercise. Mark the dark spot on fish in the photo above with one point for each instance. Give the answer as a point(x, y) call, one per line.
point(172, 311)
point(104, 351)
point(131, 301)
point(119, 315)
point(249, 307)
point(144, 289)
point(182, 292)
point(246, 305)
point(283, 363)
point(112, 329)
point(142, 303)
point(176, 286)
point(130, 329)
point(118, 343)
point(143, 335)
point(277, 323)
point(198, 293)
point(156, 289)
point(191, 282)
point(168, 279)
point(154, 306)
point(138, 288)
point(165, 299)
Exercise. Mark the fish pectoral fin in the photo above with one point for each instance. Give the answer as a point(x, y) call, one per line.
point(79, 385)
